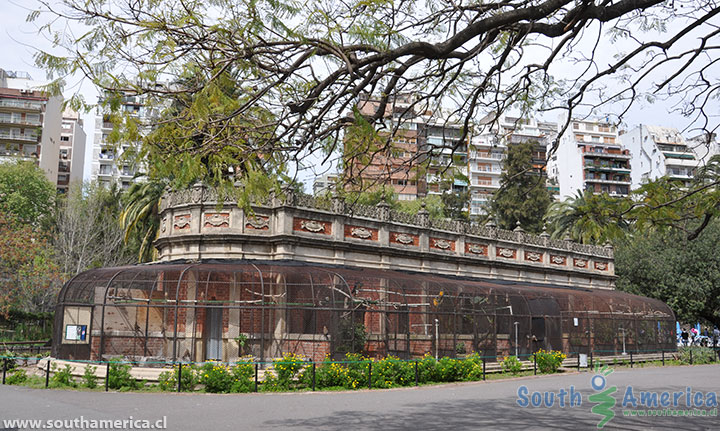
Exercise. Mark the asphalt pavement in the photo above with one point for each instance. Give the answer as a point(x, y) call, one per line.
point(491, 405)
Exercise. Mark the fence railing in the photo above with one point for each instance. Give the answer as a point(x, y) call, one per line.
point(475, 366)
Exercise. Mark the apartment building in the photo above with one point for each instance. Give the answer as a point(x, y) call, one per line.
point(489, 146)
point(427, 153)
point(71, 163)
point(705, 146)
point(659, 152)
point(324, 184)
point(110, 163)
point(590, 157)
point(30, 122)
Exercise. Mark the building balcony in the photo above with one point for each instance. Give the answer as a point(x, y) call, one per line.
point(487, 156)
point(21, 137)
point(19, 105)
point(600, 168)
point(616, 156)
point(15, 120)
point(606, 181)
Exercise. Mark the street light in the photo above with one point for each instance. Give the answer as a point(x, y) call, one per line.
point(516, 338)
point(623, 339)
point(437, 340)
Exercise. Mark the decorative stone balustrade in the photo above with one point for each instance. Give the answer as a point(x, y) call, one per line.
point(196, 224)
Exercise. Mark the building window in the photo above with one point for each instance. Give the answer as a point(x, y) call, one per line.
point(65, 138)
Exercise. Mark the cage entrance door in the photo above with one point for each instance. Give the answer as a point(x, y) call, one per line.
point(213, 340)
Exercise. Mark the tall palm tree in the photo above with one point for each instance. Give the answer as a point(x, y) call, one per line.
point(140, 216)
point(586, 218)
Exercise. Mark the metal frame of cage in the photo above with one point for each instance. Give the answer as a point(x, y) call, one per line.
point(161, 311)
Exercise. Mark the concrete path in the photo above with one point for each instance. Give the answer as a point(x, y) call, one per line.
point(480, 405)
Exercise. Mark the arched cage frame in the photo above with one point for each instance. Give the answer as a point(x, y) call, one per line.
point(224, 310)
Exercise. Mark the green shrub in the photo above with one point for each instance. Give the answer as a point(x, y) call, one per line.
point(167, 381)
point(357, 370)
point(119, 376)
point(511, 364)
point(62, 378)
point(427, 369)
point(391, 372)
point(700, 355)
point(89, 379)
point(549, 361)
point(471, 368)
point(447, 370)
point(216, 377)
point(287, 368)
point(243, 374)
point(327, 374)
point(17, 376)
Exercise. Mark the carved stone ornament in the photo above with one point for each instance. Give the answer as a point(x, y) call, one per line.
point(163, 225)
point(181, 222)
point(360, 232)
point(580, 263)
point(442, 244)
point(602, 266)
point(403, 238)
point(476, 249)
point(217, 219)
point(312, 226)
point(506, 252)
point(530, 255)
point(256, 222)
point(558, 260)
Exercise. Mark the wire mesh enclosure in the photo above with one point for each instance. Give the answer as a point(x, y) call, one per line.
point(230, 309)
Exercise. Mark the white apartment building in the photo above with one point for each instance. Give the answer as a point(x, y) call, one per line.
point(324, 184)
point(108, 164)
point(705, 146)
point(30, 122)
point(71, 163)
point(659, 152)
point(590, 157)
point(448, 168)
point(488, 148)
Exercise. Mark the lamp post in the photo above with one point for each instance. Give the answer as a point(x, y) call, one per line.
point(623, 340)
point(437, 334)
point(516, 338)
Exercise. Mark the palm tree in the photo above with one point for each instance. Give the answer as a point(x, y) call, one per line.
point(140, 218)
point(586, 218)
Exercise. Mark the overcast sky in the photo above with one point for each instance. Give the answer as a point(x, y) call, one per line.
point(19, 38)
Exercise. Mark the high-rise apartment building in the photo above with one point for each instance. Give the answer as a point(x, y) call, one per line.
point(109, 162)
point(705, 146)
point(71, 164)
point(30, 122)
point(426, 155)
point(590, 157)
point(489, 146)
point(659, 152)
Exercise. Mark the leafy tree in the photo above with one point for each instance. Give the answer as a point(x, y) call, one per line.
point(455, 204)
point(302, 67)
point(523, 196)
point(587, 218)
point(26, 194)
point(29, 277)
point(140, 216)
point(683, 273)
point(87, 233)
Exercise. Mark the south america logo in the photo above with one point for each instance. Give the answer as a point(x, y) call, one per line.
point(603, 398)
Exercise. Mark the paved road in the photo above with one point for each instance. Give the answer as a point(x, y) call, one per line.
point(480, 405)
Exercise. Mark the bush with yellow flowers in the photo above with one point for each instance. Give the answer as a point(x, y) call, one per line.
point(549, 361)
point(511, 364)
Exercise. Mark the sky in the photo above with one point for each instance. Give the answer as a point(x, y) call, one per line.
point(19, 39)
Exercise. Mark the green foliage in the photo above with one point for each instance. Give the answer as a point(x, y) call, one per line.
point(357, 370)
point(62, 378)
point(286, 369)
point(682, 273)
point(140, 218)
point(391, 372)
point(700, 355)
point(352, 337)
point(327, 374)
point(447, 370)
point(216, 377)
point(29, 277)
point(243, 373)
point(427, 369)
point(89, 379)
point(549, 361)
point(16, 377)
point(523, 195)
point(167, 381)
point(511, 364)
point(26, 194)
point(119, 377)
point(588, 218)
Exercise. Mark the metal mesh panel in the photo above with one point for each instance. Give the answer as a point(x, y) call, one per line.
point(199, 311)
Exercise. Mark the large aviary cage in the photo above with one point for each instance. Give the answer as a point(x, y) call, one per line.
point(224, 310)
